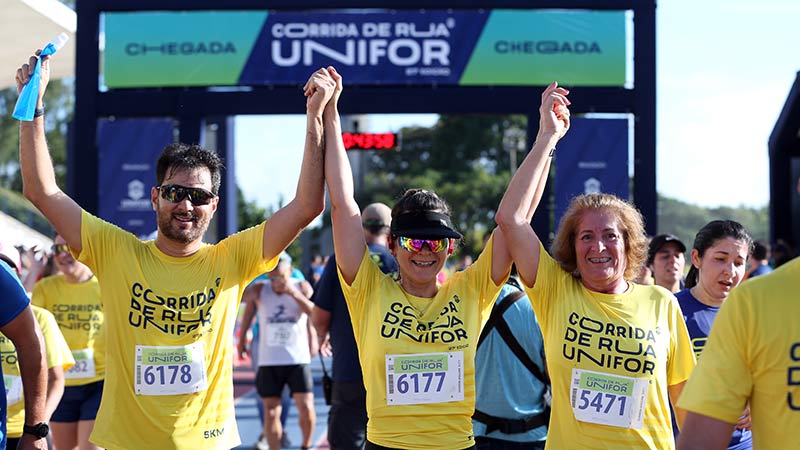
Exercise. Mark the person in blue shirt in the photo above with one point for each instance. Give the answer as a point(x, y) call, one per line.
point(759, 260)
point(18, 324)
point(347, 418)
point(719, 255)
point(511, 410)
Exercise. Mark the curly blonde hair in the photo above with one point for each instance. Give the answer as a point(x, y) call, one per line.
point(630, 222)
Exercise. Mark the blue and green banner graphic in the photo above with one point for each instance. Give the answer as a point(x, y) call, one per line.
point(467, 48)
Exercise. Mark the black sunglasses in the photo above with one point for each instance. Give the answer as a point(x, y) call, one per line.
point(177, 193)
point(374, 226)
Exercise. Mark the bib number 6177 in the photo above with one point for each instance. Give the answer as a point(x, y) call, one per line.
point(425, 381)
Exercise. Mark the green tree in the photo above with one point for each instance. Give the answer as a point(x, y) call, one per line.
point(685, 220)
point(250, 214)
point(59, 105)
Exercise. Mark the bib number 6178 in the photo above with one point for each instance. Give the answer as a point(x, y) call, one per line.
point(168, 374)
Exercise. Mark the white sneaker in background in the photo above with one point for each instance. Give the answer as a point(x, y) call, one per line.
point(261, 444)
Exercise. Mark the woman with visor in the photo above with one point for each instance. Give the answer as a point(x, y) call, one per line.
point(416, 338)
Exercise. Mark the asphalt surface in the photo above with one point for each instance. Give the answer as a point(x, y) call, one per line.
point(250, 427)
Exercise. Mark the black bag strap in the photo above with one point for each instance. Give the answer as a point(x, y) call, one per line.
point(516, 348)
point(322, 360)
point(497, 313)
point(511, 426)
point(497, 321)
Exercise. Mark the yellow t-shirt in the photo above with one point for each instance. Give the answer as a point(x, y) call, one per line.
point(57, 353)
point(753, 353)
point(77, 309)
point(169, 323)
point(611, 358)
point(389, 325)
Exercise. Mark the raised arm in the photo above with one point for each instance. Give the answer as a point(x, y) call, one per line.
point(309, 200)
point(525, 189)
point(501, 256)
point(38, 176)
point(348, 237)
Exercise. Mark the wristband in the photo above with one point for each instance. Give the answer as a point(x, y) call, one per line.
point(38, 112)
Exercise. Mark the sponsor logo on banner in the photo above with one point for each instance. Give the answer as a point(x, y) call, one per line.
point(592, 186)
point(421, 48)
point(432, 47)
point(136, 200)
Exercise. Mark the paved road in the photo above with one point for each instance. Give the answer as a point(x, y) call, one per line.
point(247, 416)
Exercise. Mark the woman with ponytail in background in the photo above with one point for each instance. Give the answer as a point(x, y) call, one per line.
point(719, 255)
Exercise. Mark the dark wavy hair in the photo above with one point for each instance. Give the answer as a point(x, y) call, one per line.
point(415, 200)
point(181, 156)
point(711, 233)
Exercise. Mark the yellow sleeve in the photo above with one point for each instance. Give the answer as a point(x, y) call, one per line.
point(366, 282)
point(37, 296)
point(721, 383)
point(681, 360)
point(57, 350)
point(545, 287)
point(481, 274)
point(245, 249)
point(99, 241)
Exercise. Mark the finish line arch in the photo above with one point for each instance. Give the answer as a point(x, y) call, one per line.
point(196, 104)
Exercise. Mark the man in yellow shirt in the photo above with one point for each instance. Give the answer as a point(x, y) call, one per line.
point(752, 355)
point(170, 304)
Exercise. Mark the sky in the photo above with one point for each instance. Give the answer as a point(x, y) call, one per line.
point(724, 70)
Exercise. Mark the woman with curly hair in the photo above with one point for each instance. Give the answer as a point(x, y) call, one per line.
point(617, 352)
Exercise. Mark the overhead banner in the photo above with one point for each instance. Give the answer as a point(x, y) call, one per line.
point(592, 158)
point(128, 150)
point(466, 48)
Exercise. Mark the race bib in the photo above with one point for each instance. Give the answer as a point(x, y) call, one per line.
point(170, 370)
point(13, 388)
point(84, 364)
point(281, 334)
point(424, 378)
point(607, 399)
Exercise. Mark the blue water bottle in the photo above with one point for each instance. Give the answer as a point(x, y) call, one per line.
point(26, 103)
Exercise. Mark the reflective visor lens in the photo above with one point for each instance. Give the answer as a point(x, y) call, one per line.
point(60, 248)
point(415, 245)
point(177, 193)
